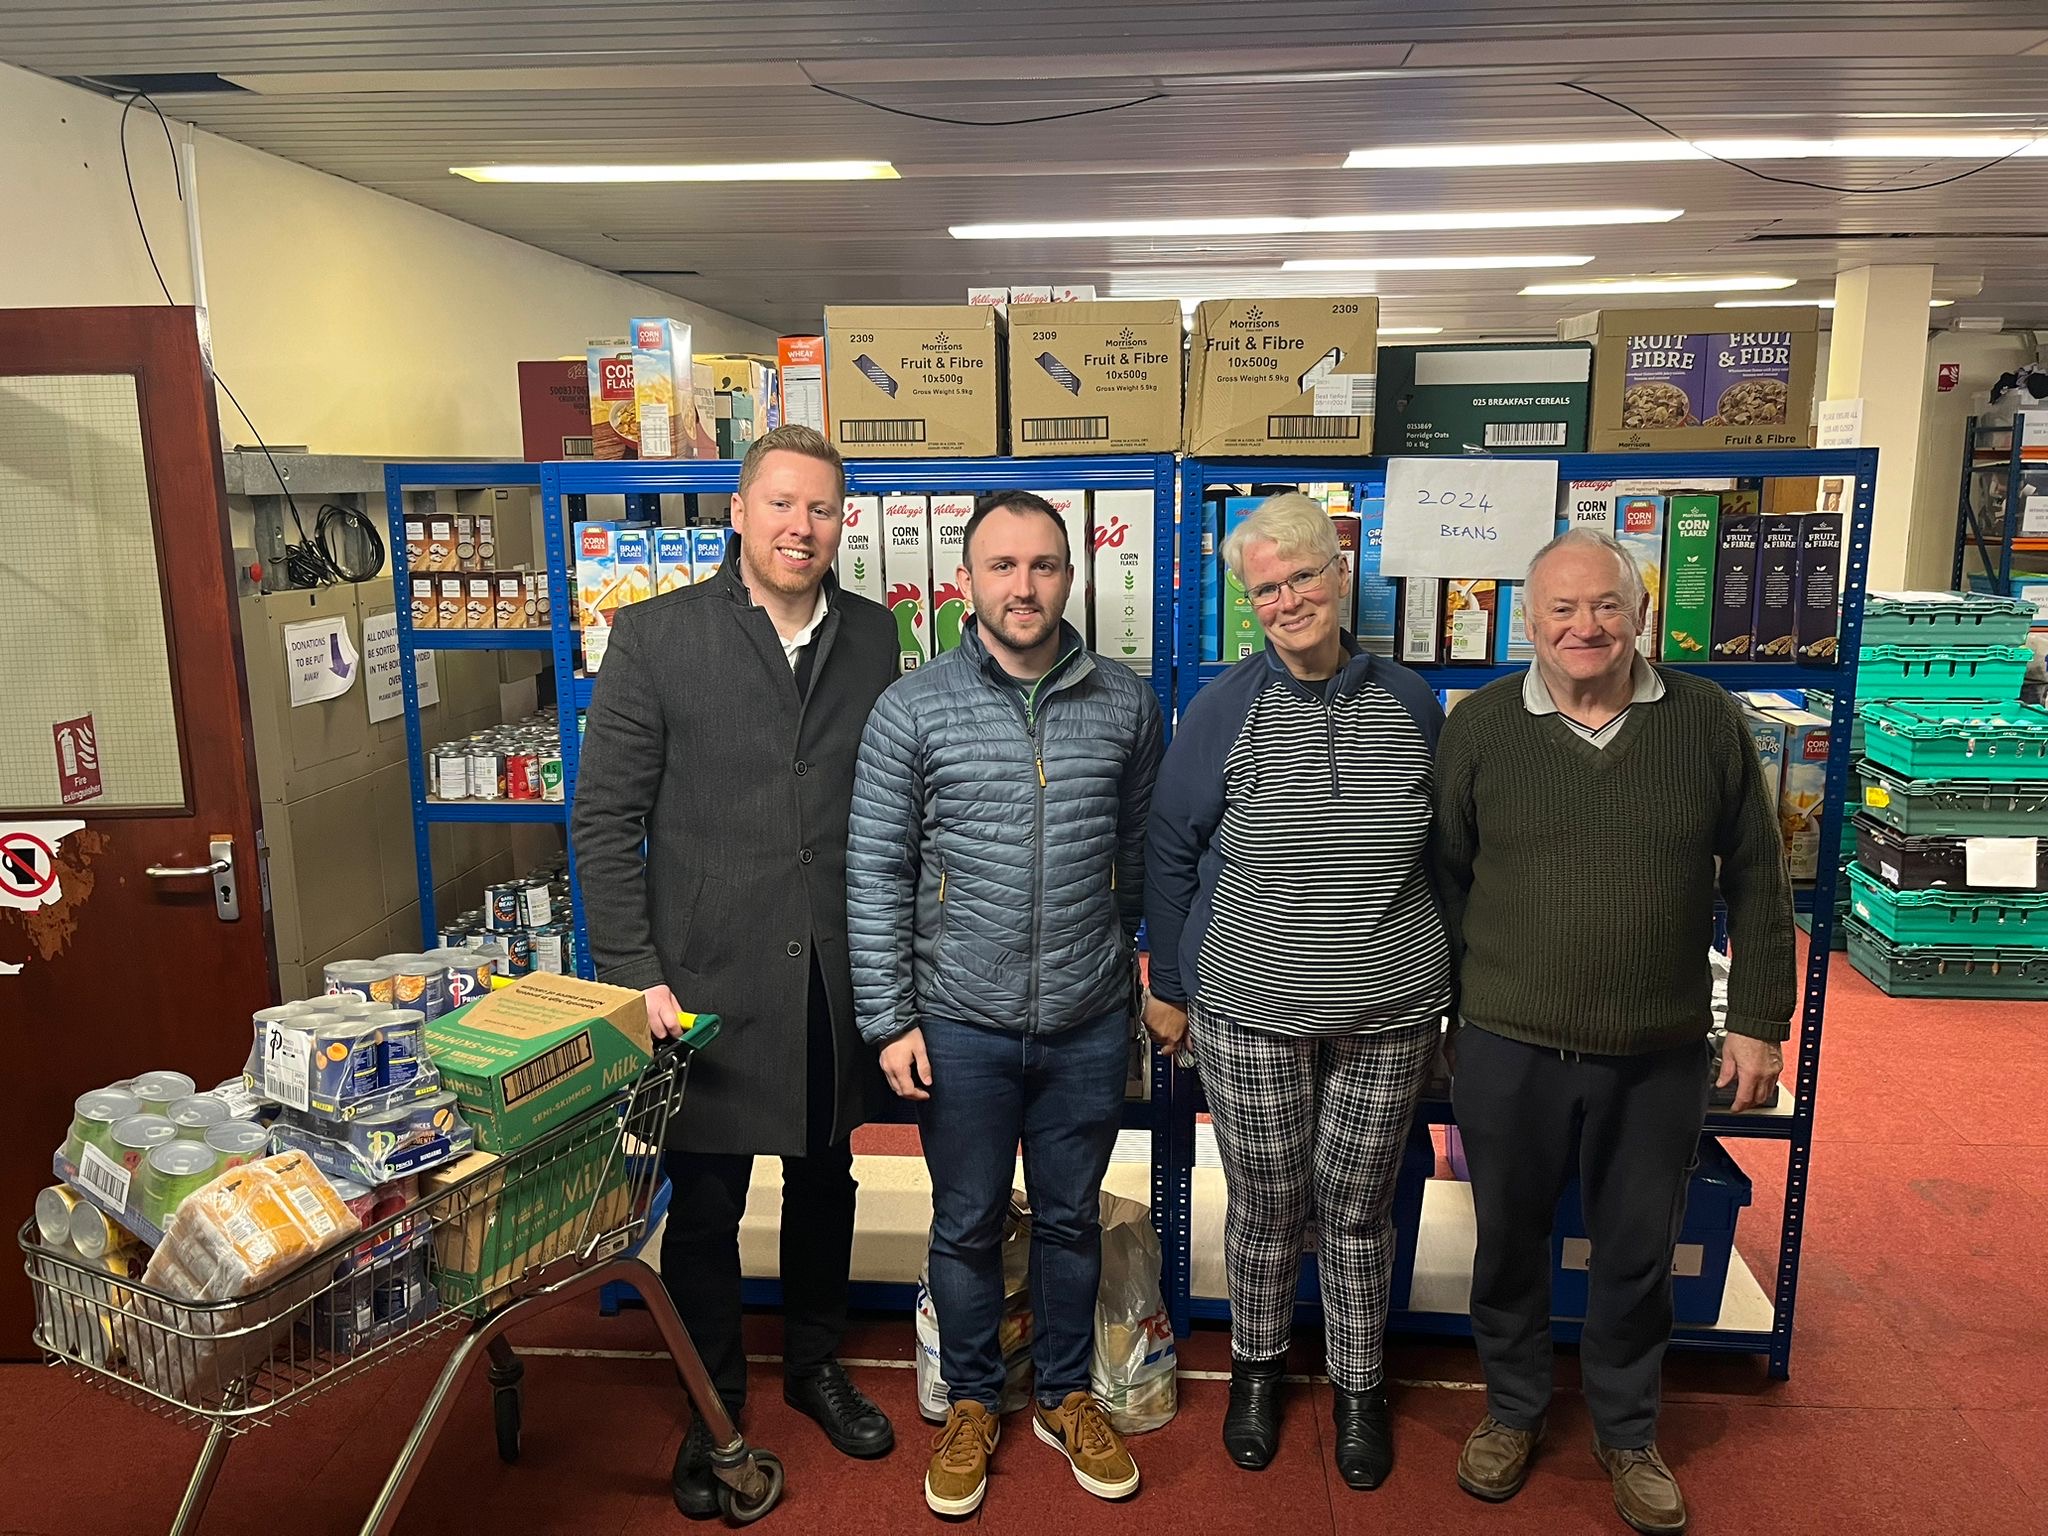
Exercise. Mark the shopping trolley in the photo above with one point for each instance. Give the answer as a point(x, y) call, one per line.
point(550, 1221)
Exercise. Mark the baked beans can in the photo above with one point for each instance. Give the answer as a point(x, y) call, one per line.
point(518, 952)
point(365, 979)
point(93, 1118)
point(135, 1139)
point(501, 905)
point(197, 1115)
point(486, 774)
point(451, 773)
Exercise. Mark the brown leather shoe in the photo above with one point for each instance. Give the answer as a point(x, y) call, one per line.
point(1495, 1462)
point(1645, 1493)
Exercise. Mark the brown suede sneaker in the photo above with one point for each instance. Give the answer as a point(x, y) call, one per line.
point(1645, 1493)
point(958, 1475)
point(1495, 1462)
point(1079, 1430)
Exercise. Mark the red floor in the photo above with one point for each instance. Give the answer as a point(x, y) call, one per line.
point(1918, 1403)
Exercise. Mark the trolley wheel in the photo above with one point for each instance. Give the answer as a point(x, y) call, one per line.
point(505, 1412)
point(769, 1465)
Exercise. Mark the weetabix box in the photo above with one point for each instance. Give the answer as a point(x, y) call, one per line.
point(1095, 378)
point(1677, 379)
point(907, 570)
point(949, 550)
point(1820, 589)
point(672, 560)
point(860, 548)
point(1734, 628)
point(1421, 638)
point(1282, 376)
point(1531, 398)
point(1639, 529)
point(915, 381)
point(1777, 588)
point(1072, 507)
point(1124, 543)
point(1689, 576)
point(614, 413)
point(1241, 635)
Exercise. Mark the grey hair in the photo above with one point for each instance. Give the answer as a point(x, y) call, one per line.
point(1583, 538)
point(1292, 523)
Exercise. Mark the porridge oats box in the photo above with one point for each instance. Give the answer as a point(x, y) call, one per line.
point(1669, 380)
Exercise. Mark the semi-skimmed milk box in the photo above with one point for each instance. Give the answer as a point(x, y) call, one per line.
point(906, 568)
point(860, 548)
point(949, 549)
point(707, 551)
point(671, 559)
point(1123, 558)
point(1072, 507)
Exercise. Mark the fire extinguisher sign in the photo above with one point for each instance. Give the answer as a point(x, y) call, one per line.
point(78, 761)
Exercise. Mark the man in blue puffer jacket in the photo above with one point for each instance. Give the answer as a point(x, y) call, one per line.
point(995, 880)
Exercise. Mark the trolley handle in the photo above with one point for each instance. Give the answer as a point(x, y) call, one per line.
point(704, 1028)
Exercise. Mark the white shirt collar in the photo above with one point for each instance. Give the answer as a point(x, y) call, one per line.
point(793, 643)
point(1648, 687)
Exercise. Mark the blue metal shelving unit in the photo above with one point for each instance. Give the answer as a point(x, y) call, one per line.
point(1793, 1124)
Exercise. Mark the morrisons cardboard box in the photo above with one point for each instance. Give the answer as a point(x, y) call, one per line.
point(1095, 378)
point(915, 381)
point(1484, 399)
point(1282, 376)
point(1673, 379)
point(522, 1060)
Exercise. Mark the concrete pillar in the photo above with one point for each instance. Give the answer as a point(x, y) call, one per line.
point(1878, 354)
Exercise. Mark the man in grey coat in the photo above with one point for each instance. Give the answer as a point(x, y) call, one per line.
point(995, 878)
point(709, 836)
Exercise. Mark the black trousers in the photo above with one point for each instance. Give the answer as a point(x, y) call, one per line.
point(1635, 1123)
point(700, 1251)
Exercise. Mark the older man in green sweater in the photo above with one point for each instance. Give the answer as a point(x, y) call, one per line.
point(1582, 810)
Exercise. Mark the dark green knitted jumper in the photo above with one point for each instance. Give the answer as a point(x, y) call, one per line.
point(1580, 881)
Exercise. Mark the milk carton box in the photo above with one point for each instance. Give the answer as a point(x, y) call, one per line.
point(949, 548)
point(671, 559)
point(1123, 559)
point(707, 551)
point(907, 569)
point(860, 548)
point(1072, 507)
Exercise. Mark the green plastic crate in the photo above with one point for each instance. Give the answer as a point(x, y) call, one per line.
point(1944, 619)
point(1943, 970)
point(1979, 673)
point(1959, 741)
point(1974, 919)
point(1953, 807)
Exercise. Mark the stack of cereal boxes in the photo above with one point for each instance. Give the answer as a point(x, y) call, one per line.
point(622, 563)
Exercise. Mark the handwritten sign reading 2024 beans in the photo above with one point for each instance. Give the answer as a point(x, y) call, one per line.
point(1467, 517)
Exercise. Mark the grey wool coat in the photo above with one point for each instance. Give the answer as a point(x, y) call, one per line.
point(699, 743)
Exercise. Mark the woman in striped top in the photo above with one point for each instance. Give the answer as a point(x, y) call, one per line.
point(1296, 936)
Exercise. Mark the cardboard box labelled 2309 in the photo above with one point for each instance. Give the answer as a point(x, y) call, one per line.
point(908, 381)
point(522, 1060)
point(1674, 379)
point(1095, 378)
point(1282, 376)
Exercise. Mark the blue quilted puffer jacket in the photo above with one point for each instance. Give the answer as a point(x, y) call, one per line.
point(995, 857)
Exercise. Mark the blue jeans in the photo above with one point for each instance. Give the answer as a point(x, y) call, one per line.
point(1062, 1094)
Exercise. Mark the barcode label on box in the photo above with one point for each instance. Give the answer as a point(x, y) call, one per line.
point(882, 431)
point(1346, 394)
point(1066, 429)
point(310, 1207)
point(1525, 434)
point(1307, 428)
point(287, 1066)
point(103, 1176)
point(522, 1083)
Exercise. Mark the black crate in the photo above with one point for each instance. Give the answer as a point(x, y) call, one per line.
point(1922, 863)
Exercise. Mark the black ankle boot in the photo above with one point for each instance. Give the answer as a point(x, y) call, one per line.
point(1251, 1424)
point(1365, 1436)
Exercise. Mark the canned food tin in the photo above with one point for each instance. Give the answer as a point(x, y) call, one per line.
point(419, 983)
point(195, 1116)
point(400, 1285)
point(359, 1198)
point(451, 773)
point(170, 1174)
point(365, 979)
point(518, 952)
point(94, 1234)
point(326, 1004)
point(159, 1089)
point(402, 1047)
point(551, 775)
point(238, 1142)
point(469, 974)
point(94, 1116)
point(53, 1215)
point(486, 774)
point(502, 905)
point(438, 1116)
point(522, 775)
point(550, 953)
point(536, 903)
point(135, 1139)
point(345, 1060)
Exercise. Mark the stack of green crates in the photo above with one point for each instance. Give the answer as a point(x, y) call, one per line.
point(1949, 890)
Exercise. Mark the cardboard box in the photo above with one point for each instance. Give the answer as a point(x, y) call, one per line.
point(1533, 398)
point(495, 1231)
point(634, 550)
point(672, 570)
point(508, 600)
point(1123, 556)
point(426, 613)
point(523, 1059)
point(860, 548)
point(554, 409)
point(1072, 507)
point(1095, 378)
point(800, 360)
point(415, 543)
point(449, 601)
point(915, 381)
point(597, 587)
point(1803, 791)
point(614, 412)
point(1211, 577)
point(1820, 589)
point(1689, 576)
point(1241, 635)
point(707, 550)
point(1777, 589)
point(1639, 529)
point(663, 388)
point(441, 558)
point(1511, 638)
point(1282, 376)
point(1769, 736)
point(949, 548)
point(906, 568)
point(1379, 597)
point(1734, 627)
point(1421, 638)
point(1469, 609)
point(1678, 379)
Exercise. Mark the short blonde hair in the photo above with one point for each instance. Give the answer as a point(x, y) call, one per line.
point(792, 437)
point(1292, 523)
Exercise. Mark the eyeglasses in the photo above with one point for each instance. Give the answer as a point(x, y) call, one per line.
point(1301, 583)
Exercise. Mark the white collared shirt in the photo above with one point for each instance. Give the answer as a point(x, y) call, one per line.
point(791, 644)
point(1648, 687)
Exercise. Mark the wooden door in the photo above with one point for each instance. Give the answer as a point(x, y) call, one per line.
point(125, 757)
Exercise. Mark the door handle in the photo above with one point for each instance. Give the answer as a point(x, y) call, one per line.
point(220, 871)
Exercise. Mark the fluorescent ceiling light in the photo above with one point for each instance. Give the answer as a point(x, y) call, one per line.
point(1428, 263)
point(1663, 285)
point(1952, 146)
point(1333, 224)
point(1817, 303)
point(793, 170)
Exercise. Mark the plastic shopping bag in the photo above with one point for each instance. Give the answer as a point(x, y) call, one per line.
point(1132, 1373)
point(1015, 1337)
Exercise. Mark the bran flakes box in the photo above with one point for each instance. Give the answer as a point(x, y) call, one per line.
point(671, 559)
point(707, 551)
point(634, 548)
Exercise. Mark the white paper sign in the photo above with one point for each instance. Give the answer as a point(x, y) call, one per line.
point(2007, 863)
point(383, 684)
point(2034, 517)
point(1838, 424)
point(426, 678)
point(1467, 516)
point(320, 659)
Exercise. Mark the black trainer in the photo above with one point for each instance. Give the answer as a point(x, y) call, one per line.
point(855, 1426)
point(1365, 1436)
point(1251, 1424)
point(696, 1489)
